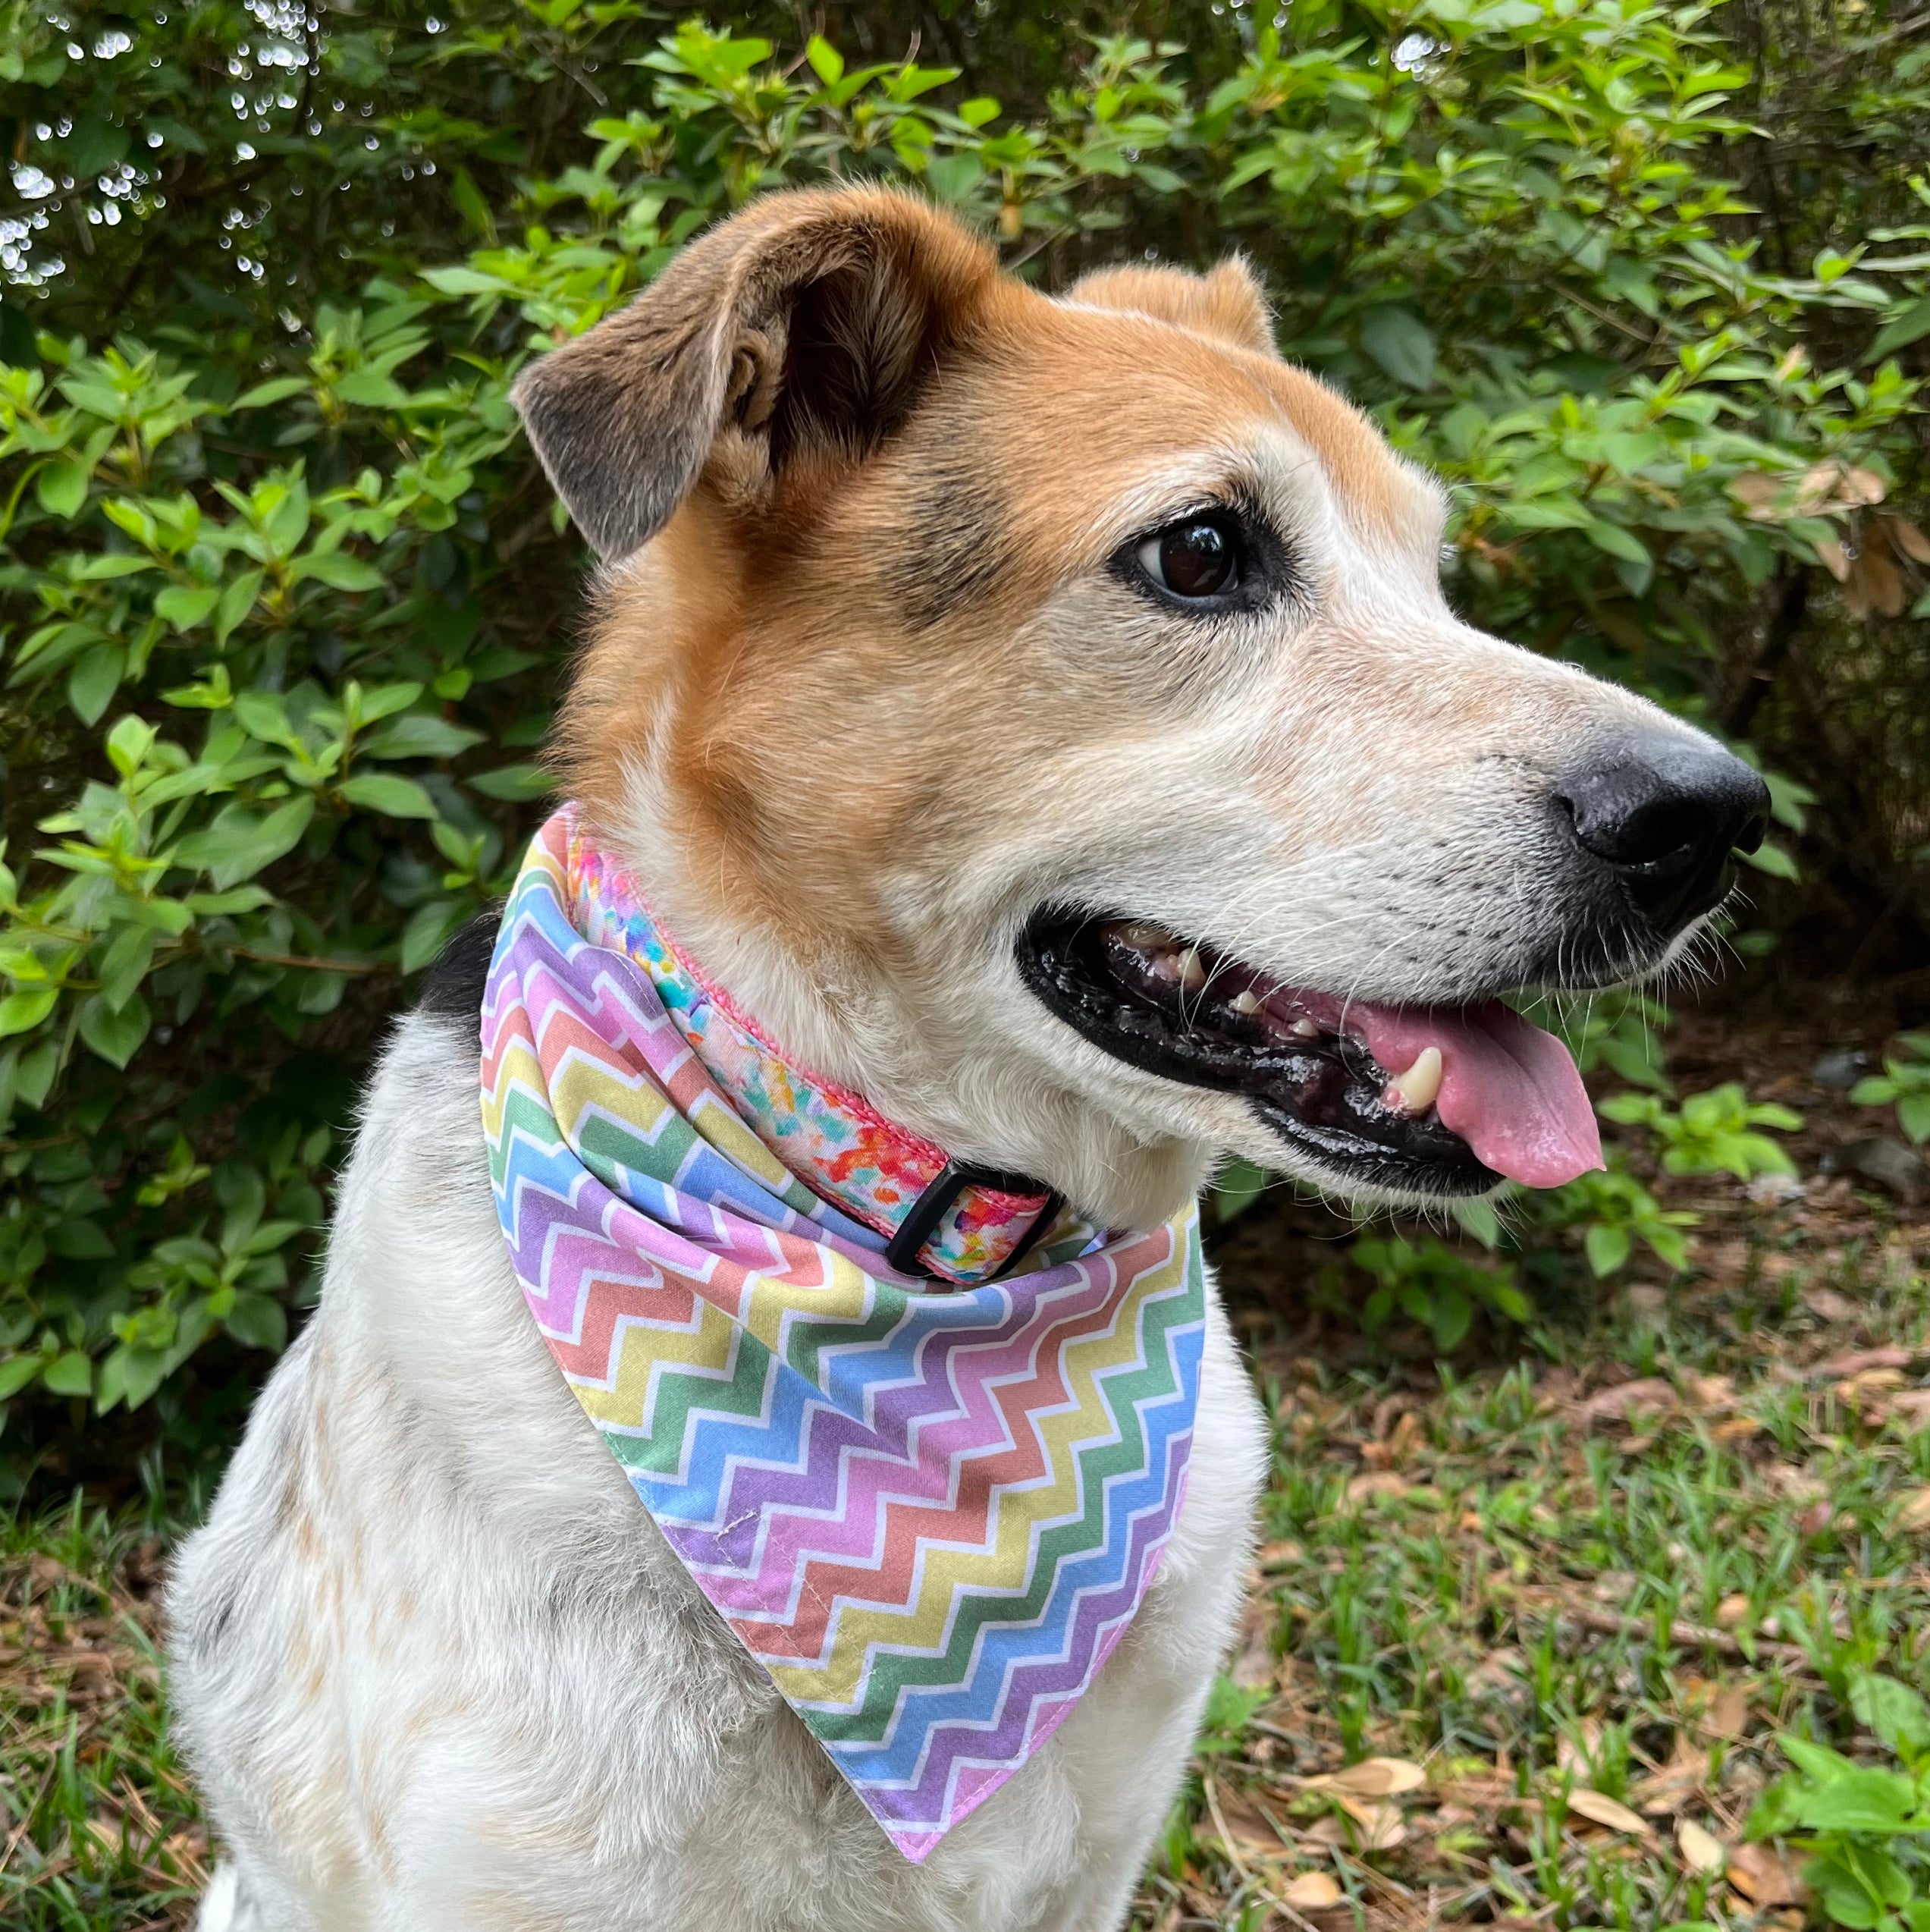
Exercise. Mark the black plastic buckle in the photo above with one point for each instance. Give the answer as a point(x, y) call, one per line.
point(932, 1206)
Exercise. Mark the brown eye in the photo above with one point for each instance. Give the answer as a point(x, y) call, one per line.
point(1196, 559)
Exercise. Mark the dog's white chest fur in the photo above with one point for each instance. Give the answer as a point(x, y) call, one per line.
point(436, 1667)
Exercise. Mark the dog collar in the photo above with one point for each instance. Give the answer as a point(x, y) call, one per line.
point(942, 1218)
point(929, 1517)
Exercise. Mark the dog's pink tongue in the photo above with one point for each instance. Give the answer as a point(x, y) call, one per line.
point(1511, 1092)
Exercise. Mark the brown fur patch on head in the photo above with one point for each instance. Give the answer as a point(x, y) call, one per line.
point(1229, 303)
point(802, 327)
point(821, 666)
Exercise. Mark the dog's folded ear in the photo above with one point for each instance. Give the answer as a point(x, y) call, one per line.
point(806, 322)
point(1228, 302)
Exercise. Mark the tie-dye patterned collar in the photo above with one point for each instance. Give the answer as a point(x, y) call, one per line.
point(827, 1136)
point(929, 1517)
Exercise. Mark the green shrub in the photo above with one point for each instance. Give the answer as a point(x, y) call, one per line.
point(283, 596)
point(1716, 1132)
point(1904, 1084)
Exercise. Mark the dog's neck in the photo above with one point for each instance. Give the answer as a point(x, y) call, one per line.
point(945, 1218)
point(992, 1111)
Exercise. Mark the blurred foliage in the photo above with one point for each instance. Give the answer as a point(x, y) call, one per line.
point(283, 594)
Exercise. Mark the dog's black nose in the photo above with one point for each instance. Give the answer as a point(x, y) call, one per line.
point(1665, 812)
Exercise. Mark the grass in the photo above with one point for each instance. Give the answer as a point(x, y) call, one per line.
point(1523, 1634)
point(1566, 1609)
point(98, 1828)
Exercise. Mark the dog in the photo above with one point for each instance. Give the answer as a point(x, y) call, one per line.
point(1043, 716)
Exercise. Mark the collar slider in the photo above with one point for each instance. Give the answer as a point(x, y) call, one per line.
point(931, 1207)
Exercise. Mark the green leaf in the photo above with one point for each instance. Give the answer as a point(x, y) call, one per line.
point(826, 61)
point(1900, 331)
point(514, 783)
point(186, 605)
point(1618, 542)
point(94, 680)
point(277, 388)
point(1894, 1712)
point(22, 1011)
point(1239, 1186)
point(371, 388)
point(237, 600)
point(1858, 1800)
point(257, 1321)
point(1402, 344)
point(421, 734)
point(61, 488)
point(16, 1372)
point(1479, 1219)
point(240, 843)
point(129, 1374)
point(1450, 1315)
point(1771, 858)
point(70, 1374)
point(115, 1036)
point(1913, 1116)
point(338, 570)
point(385, 792)
point(1608, 1248)
point(430, 928)
point(125, 963)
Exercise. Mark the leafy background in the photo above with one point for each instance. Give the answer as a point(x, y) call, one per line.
point(285, 605)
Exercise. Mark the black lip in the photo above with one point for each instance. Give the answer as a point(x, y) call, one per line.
point(1323, 1100)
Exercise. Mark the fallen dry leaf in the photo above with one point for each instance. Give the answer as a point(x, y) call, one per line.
point(1380, 1777)
point(1914, 1512)
point(1251, 1831)
point(1736, 1428)
point(1827, 1305)
point(1651, 1396)
point(1732, 1611)
point(1308, 1891)
point(1857, 1361)
point(1856, 1390)
point(1834, 558)
point(1909, 538)
point(1874, 585)
point(1598, 1808)
point(1382, 1826)
point(1727, 1715)
point(1712, 1392)
point(1701, 1850)
point(1376, 1482)
point(1254, 1664)
point(1760, 1875)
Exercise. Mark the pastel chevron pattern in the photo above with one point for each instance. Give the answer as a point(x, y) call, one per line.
point(930, 1515)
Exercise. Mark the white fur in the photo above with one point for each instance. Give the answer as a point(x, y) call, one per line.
point(437, 1668)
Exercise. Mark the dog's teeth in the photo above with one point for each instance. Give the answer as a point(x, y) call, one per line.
point(1192, 970)
point(1415, 1091)
point(1304, 1029)
point(1143, 934)
point(1245, 1001)
point(1162, 965)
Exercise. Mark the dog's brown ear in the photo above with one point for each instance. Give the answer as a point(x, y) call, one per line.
point(1229, 302)
point(807, 320)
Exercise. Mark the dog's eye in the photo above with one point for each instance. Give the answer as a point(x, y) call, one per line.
point(1197, 559)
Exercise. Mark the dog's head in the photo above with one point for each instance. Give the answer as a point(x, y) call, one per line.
point(1044, 715)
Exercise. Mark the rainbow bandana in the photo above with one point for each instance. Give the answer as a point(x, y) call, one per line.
point(929, 1512)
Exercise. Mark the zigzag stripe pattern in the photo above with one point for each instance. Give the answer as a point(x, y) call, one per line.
point(930, 1515)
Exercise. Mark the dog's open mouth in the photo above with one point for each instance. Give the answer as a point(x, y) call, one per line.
point(1437, 1100)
